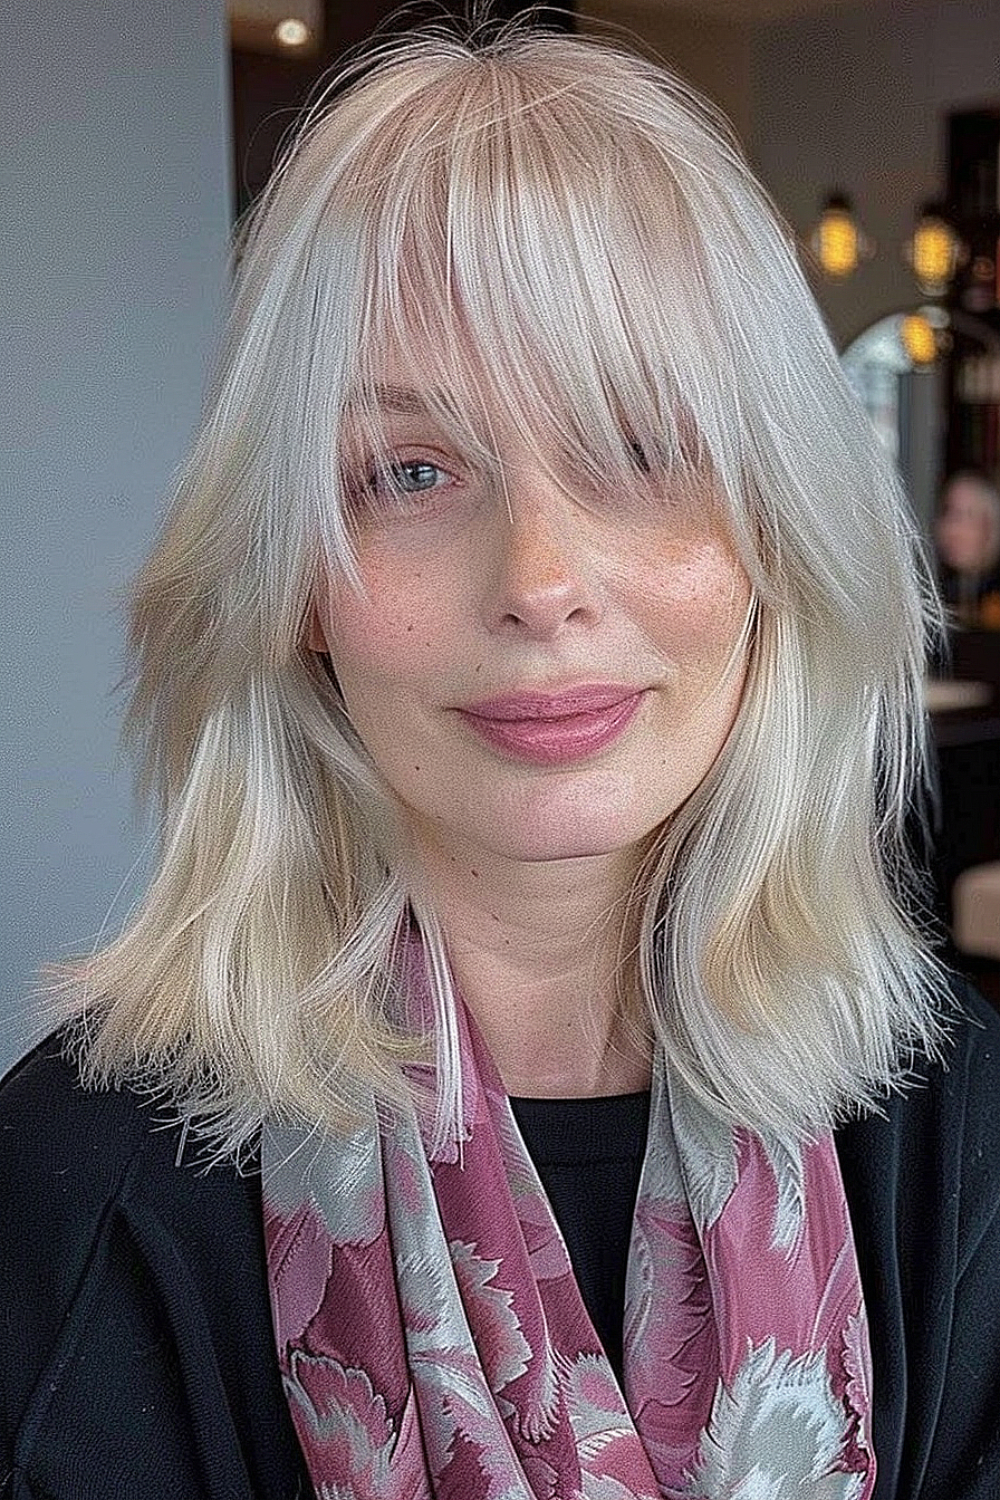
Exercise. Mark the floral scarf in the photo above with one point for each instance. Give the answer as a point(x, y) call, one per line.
point(433, 1341)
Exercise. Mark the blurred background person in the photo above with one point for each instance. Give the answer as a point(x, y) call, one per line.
point(967, 534)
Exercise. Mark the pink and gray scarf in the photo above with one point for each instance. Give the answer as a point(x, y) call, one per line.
point(433, 1341)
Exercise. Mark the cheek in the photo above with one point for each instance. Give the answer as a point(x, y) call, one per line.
point(391, 633)
point(698, 608)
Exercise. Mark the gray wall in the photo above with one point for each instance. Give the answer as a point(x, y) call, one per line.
point(115, 193)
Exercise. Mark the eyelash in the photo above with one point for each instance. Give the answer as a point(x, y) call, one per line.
point(399, 467)
point(384, 484)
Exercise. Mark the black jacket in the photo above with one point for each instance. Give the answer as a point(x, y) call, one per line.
point(137, 1360)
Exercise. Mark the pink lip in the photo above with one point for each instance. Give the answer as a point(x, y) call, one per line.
point(551, 728)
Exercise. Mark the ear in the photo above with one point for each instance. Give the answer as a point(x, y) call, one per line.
point(314, 638)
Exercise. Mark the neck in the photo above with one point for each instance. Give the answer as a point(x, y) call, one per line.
point(535, 949)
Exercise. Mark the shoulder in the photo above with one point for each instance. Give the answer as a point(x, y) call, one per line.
point(134, 1301)
point(65, 1150)
point(963, 1077)
point(922, 1180)
point(957, 1088)
point(44, 1090)
point(933, 1150)
point(69, 1158)
point(68, 1153)
point(81, 1168)
point(969, 1070)
point(97, 1215)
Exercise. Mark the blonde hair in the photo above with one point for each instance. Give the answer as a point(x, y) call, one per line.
point(616, 270)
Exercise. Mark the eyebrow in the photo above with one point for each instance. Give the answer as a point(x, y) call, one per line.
point(408, 401)
point(400, 398)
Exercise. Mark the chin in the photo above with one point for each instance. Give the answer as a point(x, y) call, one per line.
point(537, 841)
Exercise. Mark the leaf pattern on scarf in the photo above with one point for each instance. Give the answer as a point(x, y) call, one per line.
point(672, 1336)
point(709, 1151)
point(423, 1285)
point(534, 1413)
point(602, 1487)
point(504, 1350)
point(857, 1362)
point(544, 1242)
point(594, 1403)
point(348, 1423)
point(777, 1433)
point(466, 1455)
point(706, 1149)
point(344, 1187)
point(299, 1264)
point(787, 1164)
point(438, 1345)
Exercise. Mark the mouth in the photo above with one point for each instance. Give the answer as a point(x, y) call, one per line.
point(555, 728)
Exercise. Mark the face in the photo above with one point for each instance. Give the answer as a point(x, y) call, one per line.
point(965, 528)
point(538, 676)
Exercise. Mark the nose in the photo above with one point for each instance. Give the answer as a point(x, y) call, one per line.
point(546, 572)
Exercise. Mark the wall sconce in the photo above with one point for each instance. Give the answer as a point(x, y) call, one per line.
point(917, 337)
point(935, 252)
point(837, 242)
point(925, 334)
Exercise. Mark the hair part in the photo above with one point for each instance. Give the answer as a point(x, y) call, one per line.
point(415, 215)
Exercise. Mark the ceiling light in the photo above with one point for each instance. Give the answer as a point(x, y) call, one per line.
point(934, 252)
point(292, 32)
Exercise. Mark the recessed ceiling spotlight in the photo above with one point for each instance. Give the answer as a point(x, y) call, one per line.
point(292, 32)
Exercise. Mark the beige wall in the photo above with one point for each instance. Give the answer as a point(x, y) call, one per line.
point(715, 55)
point(856, 98)
point(852, 97)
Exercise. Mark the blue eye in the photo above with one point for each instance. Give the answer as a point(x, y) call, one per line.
point(401, 480)
point(413, 477)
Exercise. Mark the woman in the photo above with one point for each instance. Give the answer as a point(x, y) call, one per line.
point(529, 670)
point(967, 532)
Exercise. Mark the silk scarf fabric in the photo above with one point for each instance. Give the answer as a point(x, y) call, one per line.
point(433, 1341)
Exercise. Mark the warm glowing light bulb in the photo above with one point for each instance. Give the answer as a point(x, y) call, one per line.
point(918, 338)
point(292, 32)
point(837, 242)
point(934, 252)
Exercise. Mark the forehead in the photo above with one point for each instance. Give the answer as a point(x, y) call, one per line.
point(965, 495)
point(453, 391)
point(397, 398)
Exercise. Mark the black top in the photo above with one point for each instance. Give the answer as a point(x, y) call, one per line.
point(588, 1154)
point(137, 1360)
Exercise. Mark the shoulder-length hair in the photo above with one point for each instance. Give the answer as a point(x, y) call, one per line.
point(591, 226)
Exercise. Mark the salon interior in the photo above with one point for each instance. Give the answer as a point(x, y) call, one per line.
point(876, 128)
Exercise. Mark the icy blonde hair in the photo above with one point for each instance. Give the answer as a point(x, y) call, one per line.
point(591, 227)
